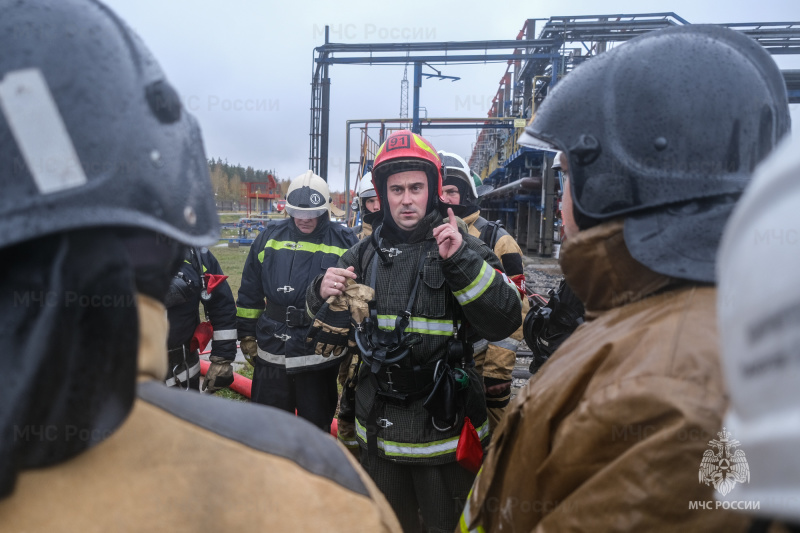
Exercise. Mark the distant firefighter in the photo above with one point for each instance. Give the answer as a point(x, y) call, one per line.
point(200, 280)
point(494, 360)
point(271, 307)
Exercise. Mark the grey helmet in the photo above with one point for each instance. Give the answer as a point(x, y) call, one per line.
point(91, 132)
point(665, 131)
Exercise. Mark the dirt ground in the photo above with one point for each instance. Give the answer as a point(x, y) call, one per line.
point(541, 273)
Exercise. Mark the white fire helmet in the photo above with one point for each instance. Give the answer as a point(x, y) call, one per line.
point(557, 161)
point(366, 189)
point(758, 307)
point(456, 166)
point(308, 196)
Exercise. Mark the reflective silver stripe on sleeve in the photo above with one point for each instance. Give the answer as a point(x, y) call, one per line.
point(275, 359)
point(508, 344)
point(182, 375)
point(480, 346)
point(39, 130)
point(225, 335)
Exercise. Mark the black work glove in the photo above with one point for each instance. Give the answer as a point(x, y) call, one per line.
point(249, 348)
point(219, 375)
point(331, 327)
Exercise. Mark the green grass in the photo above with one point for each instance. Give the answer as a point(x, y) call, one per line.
point(232, 261)
point(230, 217)
point(228, 394)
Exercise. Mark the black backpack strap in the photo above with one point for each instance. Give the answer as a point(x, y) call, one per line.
point(489, 232)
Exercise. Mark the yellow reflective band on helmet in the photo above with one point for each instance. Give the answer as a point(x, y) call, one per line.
point(380, 149)
point(422, 144)
point(419, 449)
point(248, 313)
point(427, 326)
point(301, 246)
point(477, 287)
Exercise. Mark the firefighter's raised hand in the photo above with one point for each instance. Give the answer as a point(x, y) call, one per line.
point(447, 236)
point(335, 280)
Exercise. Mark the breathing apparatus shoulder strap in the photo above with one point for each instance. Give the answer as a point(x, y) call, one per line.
point(489, 232)
point(402, 321)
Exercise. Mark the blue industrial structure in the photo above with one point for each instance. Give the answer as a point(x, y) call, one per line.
point(524, 198)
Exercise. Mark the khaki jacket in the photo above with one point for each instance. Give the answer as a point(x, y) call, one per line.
point(501, 356)
point(366, 231)
point(610, 434)
point(182, 462)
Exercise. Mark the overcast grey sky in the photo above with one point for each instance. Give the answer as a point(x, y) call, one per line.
point(244, 67)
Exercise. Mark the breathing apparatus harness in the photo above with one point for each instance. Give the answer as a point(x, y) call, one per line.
point(383, 351)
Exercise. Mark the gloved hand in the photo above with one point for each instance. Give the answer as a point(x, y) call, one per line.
point(358, 297)
point(331, 327)
point(497, 391)
point(219, 375)
point(249, 348)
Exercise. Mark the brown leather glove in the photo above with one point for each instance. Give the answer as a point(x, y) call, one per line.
point(219, 375)
point(358, 298)
point(331, 326)
point(249, 348)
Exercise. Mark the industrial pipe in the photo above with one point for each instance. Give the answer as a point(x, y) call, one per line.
point(530, 184)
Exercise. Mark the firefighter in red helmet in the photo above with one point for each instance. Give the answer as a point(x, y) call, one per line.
point(420, 413)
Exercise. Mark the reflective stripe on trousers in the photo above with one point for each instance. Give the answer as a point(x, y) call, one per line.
point(181, 377)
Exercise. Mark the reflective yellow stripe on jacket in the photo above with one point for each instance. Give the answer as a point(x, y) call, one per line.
point(300, 246)
point(464, 520)
point(418, 449)
point(243, 312)
point(427, 326)
point(477, 287)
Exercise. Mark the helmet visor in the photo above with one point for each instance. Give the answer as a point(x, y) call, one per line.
point(304, 213)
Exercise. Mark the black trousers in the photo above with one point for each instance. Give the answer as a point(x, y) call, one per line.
point(421, 494)
point(181, 363)
point(313, 394)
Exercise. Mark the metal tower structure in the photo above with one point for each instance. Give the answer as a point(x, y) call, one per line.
point(404, 94)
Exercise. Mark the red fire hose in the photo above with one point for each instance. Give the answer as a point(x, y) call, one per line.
point(240, 384)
